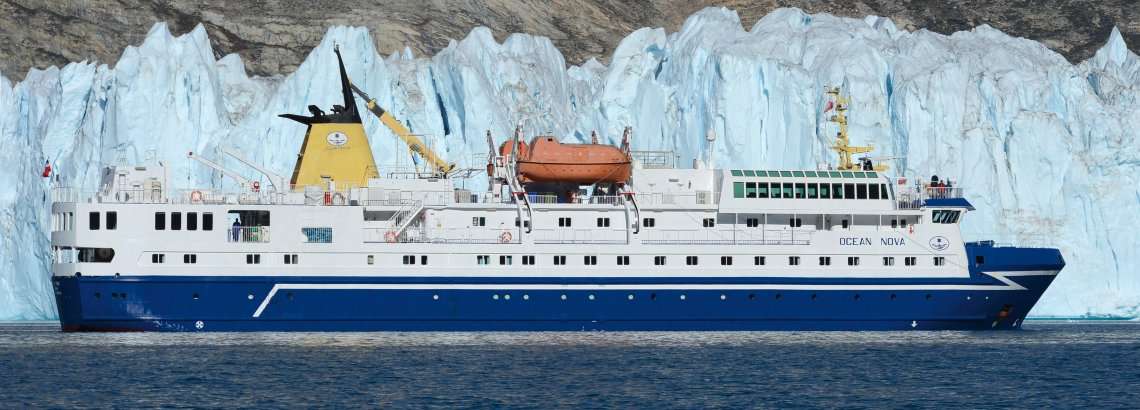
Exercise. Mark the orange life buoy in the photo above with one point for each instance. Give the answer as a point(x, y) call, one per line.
point(196, 197)
point(328, 198)
point(390, 237)
point(505, 237)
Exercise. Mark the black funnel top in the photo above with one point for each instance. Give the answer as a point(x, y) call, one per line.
point(346, 113)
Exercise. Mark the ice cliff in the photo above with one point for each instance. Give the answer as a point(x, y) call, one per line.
point(1045, 149)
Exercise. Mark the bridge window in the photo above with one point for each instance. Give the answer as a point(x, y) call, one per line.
point(883, 192)
point(659, 260)
point(750, 190)
point(648, 222)
point(824, 261)
point(564, 222)
point(603, 222)
point(793, 260)
point(176, 221)
point(112, 220)
point(93, 221)
point(478, 221)
point(800, 191)
point(873, 192)
point(691, 260)
point(849, 191)
point(738, 190)
point(861, 191)
point(824, 191)
point(888, 261)
point(788, 190)
point(852, 261)
point(191, 221)
point(483, 259)
point(189, 258)
point(590, 260)
point(208, 221)
point(623, 260)
point(813, 191)
point(762, 190)
point(528, 259)
point(836, 191)
point(939, 261)
point(708, 222)
point(752, 222)
point(560, 259)
point(759, 260)
point(726, 260)
point(506, 260)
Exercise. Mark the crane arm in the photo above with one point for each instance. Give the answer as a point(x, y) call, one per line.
point(413, 142)
point(240, 179)
point(278, 181)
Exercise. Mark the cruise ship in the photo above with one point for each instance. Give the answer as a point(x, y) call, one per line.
point(565, 237)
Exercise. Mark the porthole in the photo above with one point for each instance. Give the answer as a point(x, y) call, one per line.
point(652, 296)
point(751, 296)
point(723, 297)
point(591, 297)
point(967, 298)
point(250, 296)
point(194, 296)
point(813, 296)
point(682, 297)
point(495, 296)
point(630, 297)
point(893, 296)
point(434, 297)
point(857, 296)
point(98, 295)
point(779, 296)
point(290, 295)
point(929, 296)
point(563, 296)
point(506, 297)
point(526, 297)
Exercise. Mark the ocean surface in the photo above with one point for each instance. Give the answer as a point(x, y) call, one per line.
point(1045, 365)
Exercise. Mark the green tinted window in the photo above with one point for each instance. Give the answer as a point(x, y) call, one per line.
point(872, 175)
point(737, 173)
point(750, 190)
point(738, 190)
point(813, 191)
point(834, 174)
point(801, 192)
point(824, 191)
point(749, 173)
point(873, 191)
point(798, 174)
point(787, 189)
point(786, 174)
point(837, 191)
point(861, 191)
point(847, 174)
point(849, 191)
point(762, 190)
point(860, 175)
point(883, 193)
point(810, 173)
point(761, 174)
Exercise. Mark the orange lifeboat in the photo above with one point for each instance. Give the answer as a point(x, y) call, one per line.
point(546, 159)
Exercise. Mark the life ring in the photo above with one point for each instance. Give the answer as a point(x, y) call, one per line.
point(505, 237)
point(196, 197)
point(256, 186)
point(390, 237)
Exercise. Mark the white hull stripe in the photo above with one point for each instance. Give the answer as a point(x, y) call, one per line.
point(1001, 276)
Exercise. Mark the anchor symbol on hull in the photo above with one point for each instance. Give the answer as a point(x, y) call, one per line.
point(913, 324)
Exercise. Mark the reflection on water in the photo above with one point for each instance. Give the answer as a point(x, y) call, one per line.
point(1053, 364)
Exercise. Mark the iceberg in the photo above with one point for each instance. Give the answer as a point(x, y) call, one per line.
point(1044, 148)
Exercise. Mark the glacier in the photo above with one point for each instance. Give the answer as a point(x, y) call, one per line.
point(1044, 148)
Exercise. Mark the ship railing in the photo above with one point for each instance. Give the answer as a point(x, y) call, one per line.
point(247, 234)
point(419, 234)
point(698, 198)
point(726, 237)
point(542, 199)
point(655, 159)
point(579, 236)
point(943, 192)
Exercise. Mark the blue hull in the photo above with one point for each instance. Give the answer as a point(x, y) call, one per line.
point(234, 303)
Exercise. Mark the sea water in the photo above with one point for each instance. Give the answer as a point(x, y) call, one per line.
point(1045, 365)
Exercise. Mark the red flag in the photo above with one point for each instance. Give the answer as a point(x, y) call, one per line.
point(830, 105)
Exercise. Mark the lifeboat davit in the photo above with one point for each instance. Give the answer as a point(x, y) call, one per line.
point(546, 159)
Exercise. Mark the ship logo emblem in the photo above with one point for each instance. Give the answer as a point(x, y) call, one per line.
point(939, 243)
point(337, 138)
point(199, 325)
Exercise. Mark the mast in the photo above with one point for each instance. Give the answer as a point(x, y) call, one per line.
point(842, 144)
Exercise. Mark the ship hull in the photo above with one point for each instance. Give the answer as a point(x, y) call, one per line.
point(987, 300)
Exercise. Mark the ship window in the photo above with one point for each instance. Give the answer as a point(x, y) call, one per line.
point(559, 259)
point(888, 261)
point(750, 190)
point(836, 191)
point(813, 191)
point(800, 191)
point(708, 222)
point(506, 260)
point(954, 219)
point(252, 259)
point(371, 259)
point(939, 261)
point(853, 261)
point(318, 234)
point(623, 260)
point(691, 260)
point(603, 222)
point(786, 174)
point(406, 259)
point(590, 260)
point(737, 173)
point(564, 222)
point(176, 221)
point(810, 173)
point(849, 191)
point(860, 175)
point(648, 222)
point(738, 190)
point(157, 258)
point(798, 174)
point(749, 173)
point(208, 221)
point(483, 259)
point(526, 224)
point(759, 260)
point(726, 260)
point(112, 220)
point(902, 223)
point(423, 259)
point(752, 222)
point(793, 260)
point(824, 191)
point(979, 260)
point(189, 258)
point(762, 190)
point(845, 224)
point(862, 191)
point(910, 261)
point(894, 223)
point(478, 221)
point(290, 259)
point(824, 261)
point(93, 221)
point(795, 222)
point(847, 174)
point(873, 192)
point(883, 192)
point(528, 259)
point(787, 190)
point(659, 260)
point(191, 221)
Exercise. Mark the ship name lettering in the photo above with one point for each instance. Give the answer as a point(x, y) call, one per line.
point(893, 241)
point(854, 241)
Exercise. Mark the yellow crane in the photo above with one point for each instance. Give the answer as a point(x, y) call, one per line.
point(438, 166)
point(842, 144)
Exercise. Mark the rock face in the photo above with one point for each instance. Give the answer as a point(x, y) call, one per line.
point(274, 36)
